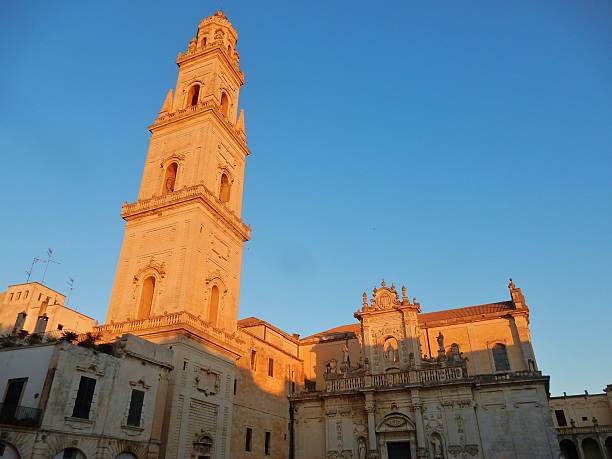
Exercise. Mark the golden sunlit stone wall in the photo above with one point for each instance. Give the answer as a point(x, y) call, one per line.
point(261, 400)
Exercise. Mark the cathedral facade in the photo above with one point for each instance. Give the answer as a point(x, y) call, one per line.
point(396, 383)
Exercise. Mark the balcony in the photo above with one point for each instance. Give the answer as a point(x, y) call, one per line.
point(23, 416)
point(422, 377)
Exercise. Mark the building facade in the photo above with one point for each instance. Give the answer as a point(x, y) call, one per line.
point(584, 424)
point(397, 383)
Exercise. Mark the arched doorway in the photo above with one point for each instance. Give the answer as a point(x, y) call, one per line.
point(396, 433)
point(126, 456)
point(591, 449)
point(609, 446)
point(568, 449)
point(70, 453)
point(8, 452)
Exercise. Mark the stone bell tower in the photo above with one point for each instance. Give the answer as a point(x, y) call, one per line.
point(182, 249)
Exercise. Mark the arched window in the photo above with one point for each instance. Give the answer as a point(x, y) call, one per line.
point(224, 104)
point(203, 42)
point(193, 95)
point(170, 178)
point(213, 306)
point(146, 297)
point(500, 358)
point(224, 188)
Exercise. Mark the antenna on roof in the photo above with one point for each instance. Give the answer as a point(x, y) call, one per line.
point(70, 283)
point(47, 261)
point(29, 273)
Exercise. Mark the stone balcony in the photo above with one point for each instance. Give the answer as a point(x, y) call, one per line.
point(173, 321)
point(184, 195)
point(208, 105)
point(584, 430)
point(353, 381)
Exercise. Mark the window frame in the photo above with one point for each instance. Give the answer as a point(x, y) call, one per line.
point(89, 403)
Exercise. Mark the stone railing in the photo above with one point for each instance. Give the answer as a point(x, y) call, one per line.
point(170, 321)
point(187, 194)
point(233, 59)
point(418, 377)
point(569, 430)
point(166, 117)
point(509, 376)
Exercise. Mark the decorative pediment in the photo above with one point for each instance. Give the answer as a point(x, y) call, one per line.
point(386, 298)
point(152, 265)
point(395, 422)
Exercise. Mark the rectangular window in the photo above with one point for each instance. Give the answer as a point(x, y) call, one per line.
point(10, 297)
point(235, 386)
point(267, 444)
point(84, 397)
point(39, 296)
point(25, 294)
point(18, 295)
point(135, 412)
point(560, 415)
point(12, 397)
point(293, 387)
point(253, 359)
point(270, 367)
point(248, 438)
point(60, 327)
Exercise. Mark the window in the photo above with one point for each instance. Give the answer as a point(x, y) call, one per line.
point(224, 104)
point(270, 367)
point(203, 41)
point(84, 397)
point(500, 358)
point(267, 444)
point(293, 387)
point(584, 418)
point(248, 439)
point(253, 359)
point(18, 295)
point(25, 294)
point(170, 178)
point(60, 327)
point(235, 386)
point(224, 188)
point(193, 95)
point(146, 297)
point(560, 415)
point(135, 412)
point(213, 307)
point(39, 296)
point(11, 297)
point(12, 398)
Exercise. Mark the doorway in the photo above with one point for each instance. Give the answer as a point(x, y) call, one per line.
point(398, 450)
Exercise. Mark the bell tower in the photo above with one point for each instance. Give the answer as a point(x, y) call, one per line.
point(182, 249)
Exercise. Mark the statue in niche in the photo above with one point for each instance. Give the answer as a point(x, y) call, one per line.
point(391, 351)
point(170, 184)
point(361, 448)
point(436, 446)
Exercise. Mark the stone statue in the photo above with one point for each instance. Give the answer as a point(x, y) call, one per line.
point(436, 446)
point(365, 300)
point(345, 353)
point(170, 184)
point(440, 340)
point(361, 448)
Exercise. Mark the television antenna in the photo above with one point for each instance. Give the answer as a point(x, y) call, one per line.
point(47, 262)
point(70, 283)
point(29, 273)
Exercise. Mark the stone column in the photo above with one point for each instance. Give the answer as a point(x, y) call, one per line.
point(370, 407)
point(420, 428)
point(578, 442)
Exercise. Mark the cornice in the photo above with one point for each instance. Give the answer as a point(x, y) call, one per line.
point(214, 47)
point(193, 194)
point(209, 106)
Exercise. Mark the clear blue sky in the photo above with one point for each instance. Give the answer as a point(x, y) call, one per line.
point(442, 145)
